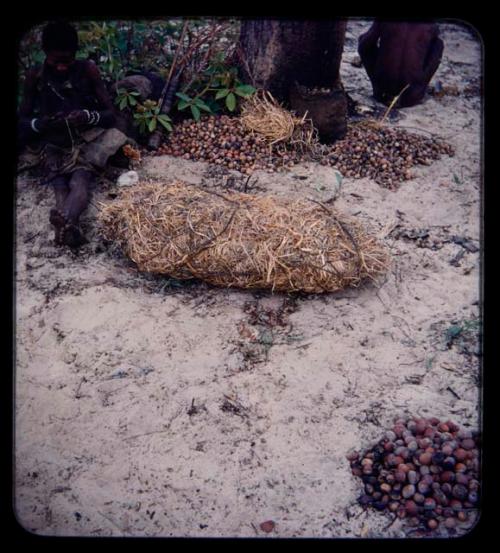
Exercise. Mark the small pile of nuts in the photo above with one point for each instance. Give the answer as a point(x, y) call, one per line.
point(424, 471)
point(384, 154)
point(381, 153)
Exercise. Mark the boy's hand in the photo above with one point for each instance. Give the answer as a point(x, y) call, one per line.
point(49, 123)
point(78, 118)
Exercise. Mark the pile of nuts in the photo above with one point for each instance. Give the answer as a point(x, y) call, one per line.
point(224, 141)
point(381, 153)
point(424, 471)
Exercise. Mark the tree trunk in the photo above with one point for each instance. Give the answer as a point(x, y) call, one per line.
point(278, 55)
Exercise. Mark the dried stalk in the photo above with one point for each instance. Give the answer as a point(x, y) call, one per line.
point(241, 240)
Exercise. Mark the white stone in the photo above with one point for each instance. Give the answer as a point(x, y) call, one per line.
point(128, 179)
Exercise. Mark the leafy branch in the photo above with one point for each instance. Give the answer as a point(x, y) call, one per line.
point(148, 117)
point(126, 99)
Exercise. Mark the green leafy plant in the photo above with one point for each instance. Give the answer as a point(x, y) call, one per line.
point(195, 104)
point(210, 82)
point(461, 332)
point(101, 41)
point(231, 88)
point(126, 99)
point(217, 87)
point(148, 117)
point(229, 85)
point(231, 94)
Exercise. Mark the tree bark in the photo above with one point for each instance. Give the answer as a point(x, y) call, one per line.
point(277, 53)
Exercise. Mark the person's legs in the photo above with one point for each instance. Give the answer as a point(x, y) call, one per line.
point(368, 52)
point(61, 190)
point(432, 60)
point(75, 203)
point(78, 197)
point(412, 96)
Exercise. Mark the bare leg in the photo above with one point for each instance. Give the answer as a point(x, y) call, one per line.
point(61, 191)
point(368, 52)
point(412, 96)
point(417, 90)
point(78, 197)
point(433, 60)
point(75, 203)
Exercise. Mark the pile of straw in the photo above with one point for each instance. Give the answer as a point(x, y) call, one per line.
point(239, 240)
point(263, 115)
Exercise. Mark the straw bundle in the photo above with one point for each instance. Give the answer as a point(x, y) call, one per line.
point(263, 115)
point(239, 240)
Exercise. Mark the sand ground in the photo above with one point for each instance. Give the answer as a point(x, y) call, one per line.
point(148, 408)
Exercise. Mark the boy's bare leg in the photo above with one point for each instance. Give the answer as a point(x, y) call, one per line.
point(61, 190)
point(75, 203)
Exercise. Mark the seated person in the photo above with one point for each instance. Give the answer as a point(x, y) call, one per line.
point(63, 118)
point(398, 55)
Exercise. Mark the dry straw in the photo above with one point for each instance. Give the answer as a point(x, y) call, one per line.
point(377, 124)
point(263, 115)
point(240, 240)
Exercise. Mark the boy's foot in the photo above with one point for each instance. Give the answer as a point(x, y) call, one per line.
point(72, 237)
point(58, 221)
point(57, 218)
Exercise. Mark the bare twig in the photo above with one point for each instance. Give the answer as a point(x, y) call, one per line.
point(109, 519)
point(391, 523)
point(392, 104)
point(453, 392)
point(255, 529)
point(172, 67)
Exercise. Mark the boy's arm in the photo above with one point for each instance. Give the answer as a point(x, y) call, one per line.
point(106, 115)
point(28, 102)
point(29, 126)
point(368, 47)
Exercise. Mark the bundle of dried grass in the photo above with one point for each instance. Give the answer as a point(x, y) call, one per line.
point(263, 115)
point(233, 239)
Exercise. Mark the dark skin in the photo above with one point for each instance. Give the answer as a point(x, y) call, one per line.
point(398, 55)
point(71, 190)
point(59, 65)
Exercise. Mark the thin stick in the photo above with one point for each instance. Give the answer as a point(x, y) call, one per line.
point(343, 228)
point(169, 78)
point(392, 104)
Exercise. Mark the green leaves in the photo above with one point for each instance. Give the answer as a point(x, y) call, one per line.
point(201, 105)
point(122, 45)
point(165, 121)
point(230, 93)
point(195, 104)
point(196, 112)
point(148, 118)
point(217, 88)
point(245, 90)
point(125, 98)
point(452, 333)
point(222, 93)
point(231, 101)
point(184, 97)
